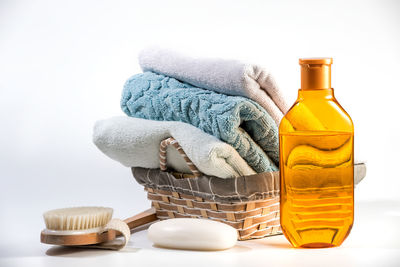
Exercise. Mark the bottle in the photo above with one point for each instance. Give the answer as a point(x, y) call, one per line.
point(316, 163)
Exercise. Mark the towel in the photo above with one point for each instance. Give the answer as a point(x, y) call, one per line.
point(229, 77)
point(135, 143)
point(238, 121)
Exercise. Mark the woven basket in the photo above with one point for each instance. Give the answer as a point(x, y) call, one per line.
point(250, 204)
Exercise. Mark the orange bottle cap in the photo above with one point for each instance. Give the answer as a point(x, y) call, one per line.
point(315, 73)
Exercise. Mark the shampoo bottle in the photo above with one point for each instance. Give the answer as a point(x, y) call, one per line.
point(316, 163)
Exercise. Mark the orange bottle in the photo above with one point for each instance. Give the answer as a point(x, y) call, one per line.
point(316, 163)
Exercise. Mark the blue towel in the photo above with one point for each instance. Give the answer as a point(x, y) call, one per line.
point(236, 120)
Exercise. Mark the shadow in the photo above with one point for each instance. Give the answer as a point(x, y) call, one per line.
point(72, 252)
point(286, 245)
point(240, 249)
point(275, 241)
point(142, 227)
point(279, 245)
point(236, 248)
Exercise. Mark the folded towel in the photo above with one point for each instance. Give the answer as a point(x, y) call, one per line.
point(135, 143)
point(238, 121)
point(229, 77)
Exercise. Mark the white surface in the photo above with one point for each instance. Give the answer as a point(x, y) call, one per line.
point(63, 65)
point(193, 234)
point(372, 242)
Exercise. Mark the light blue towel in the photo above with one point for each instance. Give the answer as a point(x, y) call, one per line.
point(236, 120)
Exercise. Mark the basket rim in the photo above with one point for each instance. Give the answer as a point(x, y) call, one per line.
point(240, 189)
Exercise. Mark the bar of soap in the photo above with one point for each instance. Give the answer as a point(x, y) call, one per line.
point(192, 234)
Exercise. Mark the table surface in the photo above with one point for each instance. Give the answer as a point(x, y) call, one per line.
point(374, 241)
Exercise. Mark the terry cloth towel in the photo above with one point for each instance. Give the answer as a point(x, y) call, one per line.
point(228, 77)
point(135, 143)
point(238, 121)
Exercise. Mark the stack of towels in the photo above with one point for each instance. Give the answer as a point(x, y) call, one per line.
point(224, 114)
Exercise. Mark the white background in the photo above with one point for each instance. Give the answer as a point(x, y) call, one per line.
point(63, 65)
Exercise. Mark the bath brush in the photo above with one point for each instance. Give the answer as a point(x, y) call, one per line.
point(82, 226)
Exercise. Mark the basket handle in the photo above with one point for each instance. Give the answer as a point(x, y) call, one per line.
point(163, 156)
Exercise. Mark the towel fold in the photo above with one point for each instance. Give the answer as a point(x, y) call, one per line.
point(229, 77)
point(238, 121)
point(135, 143)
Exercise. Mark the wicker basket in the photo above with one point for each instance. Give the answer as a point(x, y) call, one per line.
point(250, 204)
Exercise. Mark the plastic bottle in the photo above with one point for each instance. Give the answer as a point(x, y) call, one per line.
point(316, 163)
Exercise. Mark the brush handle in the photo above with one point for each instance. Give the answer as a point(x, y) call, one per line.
point(124, 227)
point(142, 218)
point(131, 223)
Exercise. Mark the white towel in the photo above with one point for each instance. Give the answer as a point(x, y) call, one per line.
point(229, 77)
point(135, 142)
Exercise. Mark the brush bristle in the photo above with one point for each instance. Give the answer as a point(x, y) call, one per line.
point(79, 218)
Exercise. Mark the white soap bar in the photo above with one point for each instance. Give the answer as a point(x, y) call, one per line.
point(194, 234)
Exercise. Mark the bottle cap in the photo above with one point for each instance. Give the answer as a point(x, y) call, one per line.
point(315, 73)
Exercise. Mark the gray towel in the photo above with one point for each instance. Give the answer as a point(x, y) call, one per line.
point(229, 77)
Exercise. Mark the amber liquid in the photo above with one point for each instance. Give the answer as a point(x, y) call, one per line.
point(317, 187)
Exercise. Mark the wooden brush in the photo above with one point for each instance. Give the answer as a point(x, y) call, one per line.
point(89, 225)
